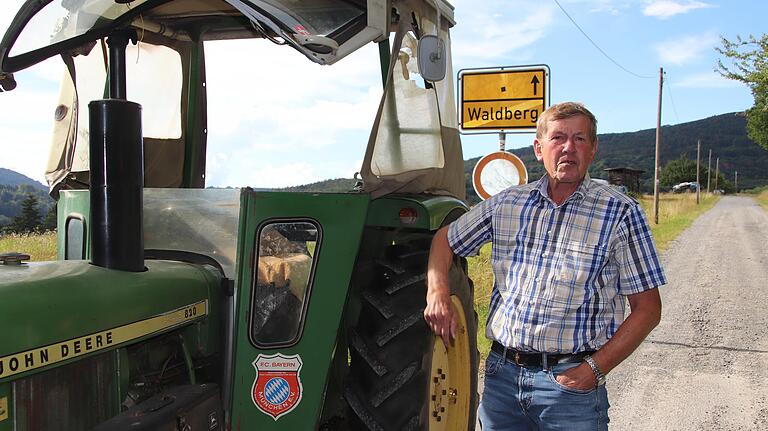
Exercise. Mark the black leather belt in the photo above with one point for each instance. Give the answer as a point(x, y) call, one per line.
point(532, 359)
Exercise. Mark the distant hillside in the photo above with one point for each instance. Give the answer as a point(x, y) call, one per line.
point(11, 198)
point(337, 185)
point(13, 178)
point(725, 134)
point(14, 187)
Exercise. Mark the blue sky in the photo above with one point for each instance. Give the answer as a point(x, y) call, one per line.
point(296, 122)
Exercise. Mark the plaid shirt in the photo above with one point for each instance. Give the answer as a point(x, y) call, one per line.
point(561, 272)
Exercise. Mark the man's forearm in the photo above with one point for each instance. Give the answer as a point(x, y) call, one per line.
point(439, 313)
point(440, 258)
point(645, 315)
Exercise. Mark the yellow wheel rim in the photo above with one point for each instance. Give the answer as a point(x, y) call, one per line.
point(449, 379)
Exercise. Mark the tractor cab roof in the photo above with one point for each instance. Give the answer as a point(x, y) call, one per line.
point(323, 30)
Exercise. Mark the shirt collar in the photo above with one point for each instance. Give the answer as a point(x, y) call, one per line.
point(581, 191)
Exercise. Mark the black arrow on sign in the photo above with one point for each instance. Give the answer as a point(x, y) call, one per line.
point(535, 82)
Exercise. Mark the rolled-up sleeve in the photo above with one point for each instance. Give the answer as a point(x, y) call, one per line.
point(470, 231)
point(636, 255)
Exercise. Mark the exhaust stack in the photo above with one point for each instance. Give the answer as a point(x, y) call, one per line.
point(117, 180)
point(117, 170)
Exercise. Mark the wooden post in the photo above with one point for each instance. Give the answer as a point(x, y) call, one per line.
point(709, 168)
point(698, 183)
point(736, 182)
point(657, 170)
point(717, 171)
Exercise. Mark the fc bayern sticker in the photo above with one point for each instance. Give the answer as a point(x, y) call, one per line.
point(277, 388)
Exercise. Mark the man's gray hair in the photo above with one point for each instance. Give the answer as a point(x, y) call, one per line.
point(561, 111)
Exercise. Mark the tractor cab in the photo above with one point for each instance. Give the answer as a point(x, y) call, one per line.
point(173, 303)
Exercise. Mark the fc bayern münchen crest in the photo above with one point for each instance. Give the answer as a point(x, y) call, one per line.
point(277, 388)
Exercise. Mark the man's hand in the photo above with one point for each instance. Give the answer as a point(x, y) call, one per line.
point(439, 313)
point(440, 316)
point(580, 378)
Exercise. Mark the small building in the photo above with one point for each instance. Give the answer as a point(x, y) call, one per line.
point(627, 177)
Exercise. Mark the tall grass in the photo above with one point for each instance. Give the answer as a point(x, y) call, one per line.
point(760, 194)
point(39, 246)
point(676, 213)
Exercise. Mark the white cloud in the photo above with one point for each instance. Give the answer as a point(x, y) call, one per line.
point(483, 33)
point(686, 49)
point(665, 9)
point(705, 80)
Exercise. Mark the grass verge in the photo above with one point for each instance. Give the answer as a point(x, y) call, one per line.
point(39, 246)
point(760, 195)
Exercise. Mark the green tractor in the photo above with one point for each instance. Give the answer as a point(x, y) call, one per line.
point(179, 307)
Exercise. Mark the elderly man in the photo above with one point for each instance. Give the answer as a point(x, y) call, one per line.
point(566, 252)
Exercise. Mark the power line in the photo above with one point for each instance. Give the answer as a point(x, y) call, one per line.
point(672, 99)
point(596, 46)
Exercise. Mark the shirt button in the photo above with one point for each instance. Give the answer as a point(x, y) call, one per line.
point(544, 254)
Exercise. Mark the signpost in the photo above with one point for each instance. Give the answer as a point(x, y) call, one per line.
point(502, 99)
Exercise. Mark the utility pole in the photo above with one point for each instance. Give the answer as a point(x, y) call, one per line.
point(709, 168)
point(657, 172)
point(698, 183)
point(736, 183)
point(717, 171)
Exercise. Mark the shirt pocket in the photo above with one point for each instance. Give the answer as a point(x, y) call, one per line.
point(578, 268)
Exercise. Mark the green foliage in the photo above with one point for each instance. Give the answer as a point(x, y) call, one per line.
point(12, 196)
point(748, 63)
point(49, 222)
point(29, 219)
point(678, 171)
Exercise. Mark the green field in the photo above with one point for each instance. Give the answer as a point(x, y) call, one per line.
point(676, 213)
point(40, 246)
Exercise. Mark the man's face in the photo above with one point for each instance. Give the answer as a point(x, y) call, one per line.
point(566, 149)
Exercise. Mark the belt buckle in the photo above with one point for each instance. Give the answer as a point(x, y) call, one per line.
point(517, 359)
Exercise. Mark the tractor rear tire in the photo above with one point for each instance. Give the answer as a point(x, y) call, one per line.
point(401, 375)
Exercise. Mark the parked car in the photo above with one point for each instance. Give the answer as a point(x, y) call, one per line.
point(690, 187)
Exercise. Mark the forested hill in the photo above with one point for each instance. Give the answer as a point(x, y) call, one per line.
point(14, 188)
point(13, 178)
point(725, 134)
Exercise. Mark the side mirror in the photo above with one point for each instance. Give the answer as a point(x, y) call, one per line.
point(7, 83)
point(431, 57)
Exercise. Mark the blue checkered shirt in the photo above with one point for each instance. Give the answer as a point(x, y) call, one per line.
point(560, 272)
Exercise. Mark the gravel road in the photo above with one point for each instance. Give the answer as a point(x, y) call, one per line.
point(705, 367)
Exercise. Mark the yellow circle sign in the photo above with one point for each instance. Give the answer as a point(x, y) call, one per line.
point(496, 172)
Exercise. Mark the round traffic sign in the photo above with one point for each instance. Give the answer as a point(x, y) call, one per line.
point(497, 171)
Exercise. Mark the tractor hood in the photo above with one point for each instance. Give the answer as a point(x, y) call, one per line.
point(57, 311)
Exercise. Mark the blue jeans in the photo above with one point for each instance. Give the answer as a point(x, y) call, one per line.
point(520, 398)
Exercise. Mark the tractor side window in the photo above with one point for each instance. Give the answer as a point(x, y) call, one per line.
point(75, 239)
point(284, 267)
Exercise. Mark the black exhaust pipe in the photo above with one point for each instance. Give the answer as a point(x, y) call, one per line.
point(117, 180)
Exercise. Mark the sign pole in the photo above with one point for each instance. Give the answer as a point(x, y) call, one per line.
point(502, 141)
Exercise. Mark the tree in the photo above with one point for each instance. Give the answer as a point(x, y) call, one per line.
point(678, 171)
point(49, 222)
point(29, 218)
point(748, 60)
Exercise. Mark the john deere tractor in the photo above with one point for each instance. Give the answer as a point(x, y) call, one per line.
point(173, 306)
